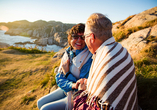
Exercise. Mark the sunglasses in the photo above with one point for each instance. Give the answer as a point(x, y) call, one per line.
point(77, 36)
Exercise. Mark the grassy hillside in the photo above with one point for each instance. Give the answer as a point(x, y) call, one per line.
point(24, 78)
point(145, 63)
point(146, 72)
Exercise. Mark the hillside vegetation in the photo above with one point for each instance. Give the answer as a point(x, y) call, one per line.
point(146, 72)
point(24, 78)
point(141, 42)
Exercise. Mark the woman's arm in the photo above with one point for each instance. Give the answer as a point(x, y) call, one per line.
point(63, 83)
point(66, 83)
point(65, 80)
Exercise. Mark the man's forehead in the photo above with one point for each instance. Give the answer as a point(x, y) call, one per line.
point(87, 30)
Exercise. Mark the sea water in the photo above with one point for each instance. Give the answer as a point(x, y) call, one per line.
point(11, 40)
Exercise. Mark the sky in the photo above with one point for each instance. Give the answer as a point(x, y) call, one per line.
point(70, 11)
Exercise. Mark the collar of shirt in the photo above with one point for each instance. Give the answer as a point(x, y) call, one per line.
point(73, 53)
point(78, 51)
point(108, 41)
point(94, 55)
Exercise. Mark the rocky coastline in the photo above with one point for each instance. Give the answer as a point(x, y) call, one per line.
point(45, 33)
point(52, 32)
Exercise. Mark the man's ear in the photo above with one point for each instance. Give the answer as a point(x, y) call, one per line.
point(92, 38)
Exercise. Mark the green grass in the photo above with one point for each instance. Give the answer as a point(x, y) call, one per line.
point(1, 49)
point(52, 53)
point(50, 77)
point(20, 73)
point(53, 80)
point(8, 85)
point(45, 80)
point(25, 50)
point(146, 72)
point(15, 82)
point(43, 63)
point(151, 38)
point(27, 99)
point(147, 84)
point(119, 36)
point(3, 61)
point(24, 34)
point(152, 51)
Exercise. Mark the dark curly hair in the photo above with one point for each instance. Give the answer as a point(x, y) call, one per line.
point(79, 28)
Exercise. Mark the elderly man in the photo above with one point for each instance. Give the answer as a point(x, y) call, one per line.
point(111, 84)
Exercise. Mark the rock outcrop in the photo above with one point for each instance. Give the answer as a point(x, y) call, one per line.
point(142, 17)
point(51, 32)
point(138, 40)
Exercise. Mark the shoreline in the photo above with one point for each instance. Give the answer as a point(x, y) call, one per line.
point(4, 45)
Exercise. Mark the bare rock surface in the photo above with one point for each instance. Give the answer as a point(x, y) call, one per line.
point(137, 41)
point(142, 17)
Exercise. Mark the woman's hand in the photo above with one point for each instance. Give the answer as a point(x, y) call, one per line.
point(82, 85)
point(74, 86)
point(65, 66)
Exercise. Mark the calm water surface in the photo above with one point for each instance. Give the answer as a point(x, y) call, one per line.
point(11, 40)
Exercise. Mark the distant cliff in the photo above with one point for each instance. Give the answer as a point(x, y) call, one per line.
point(51, 32)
